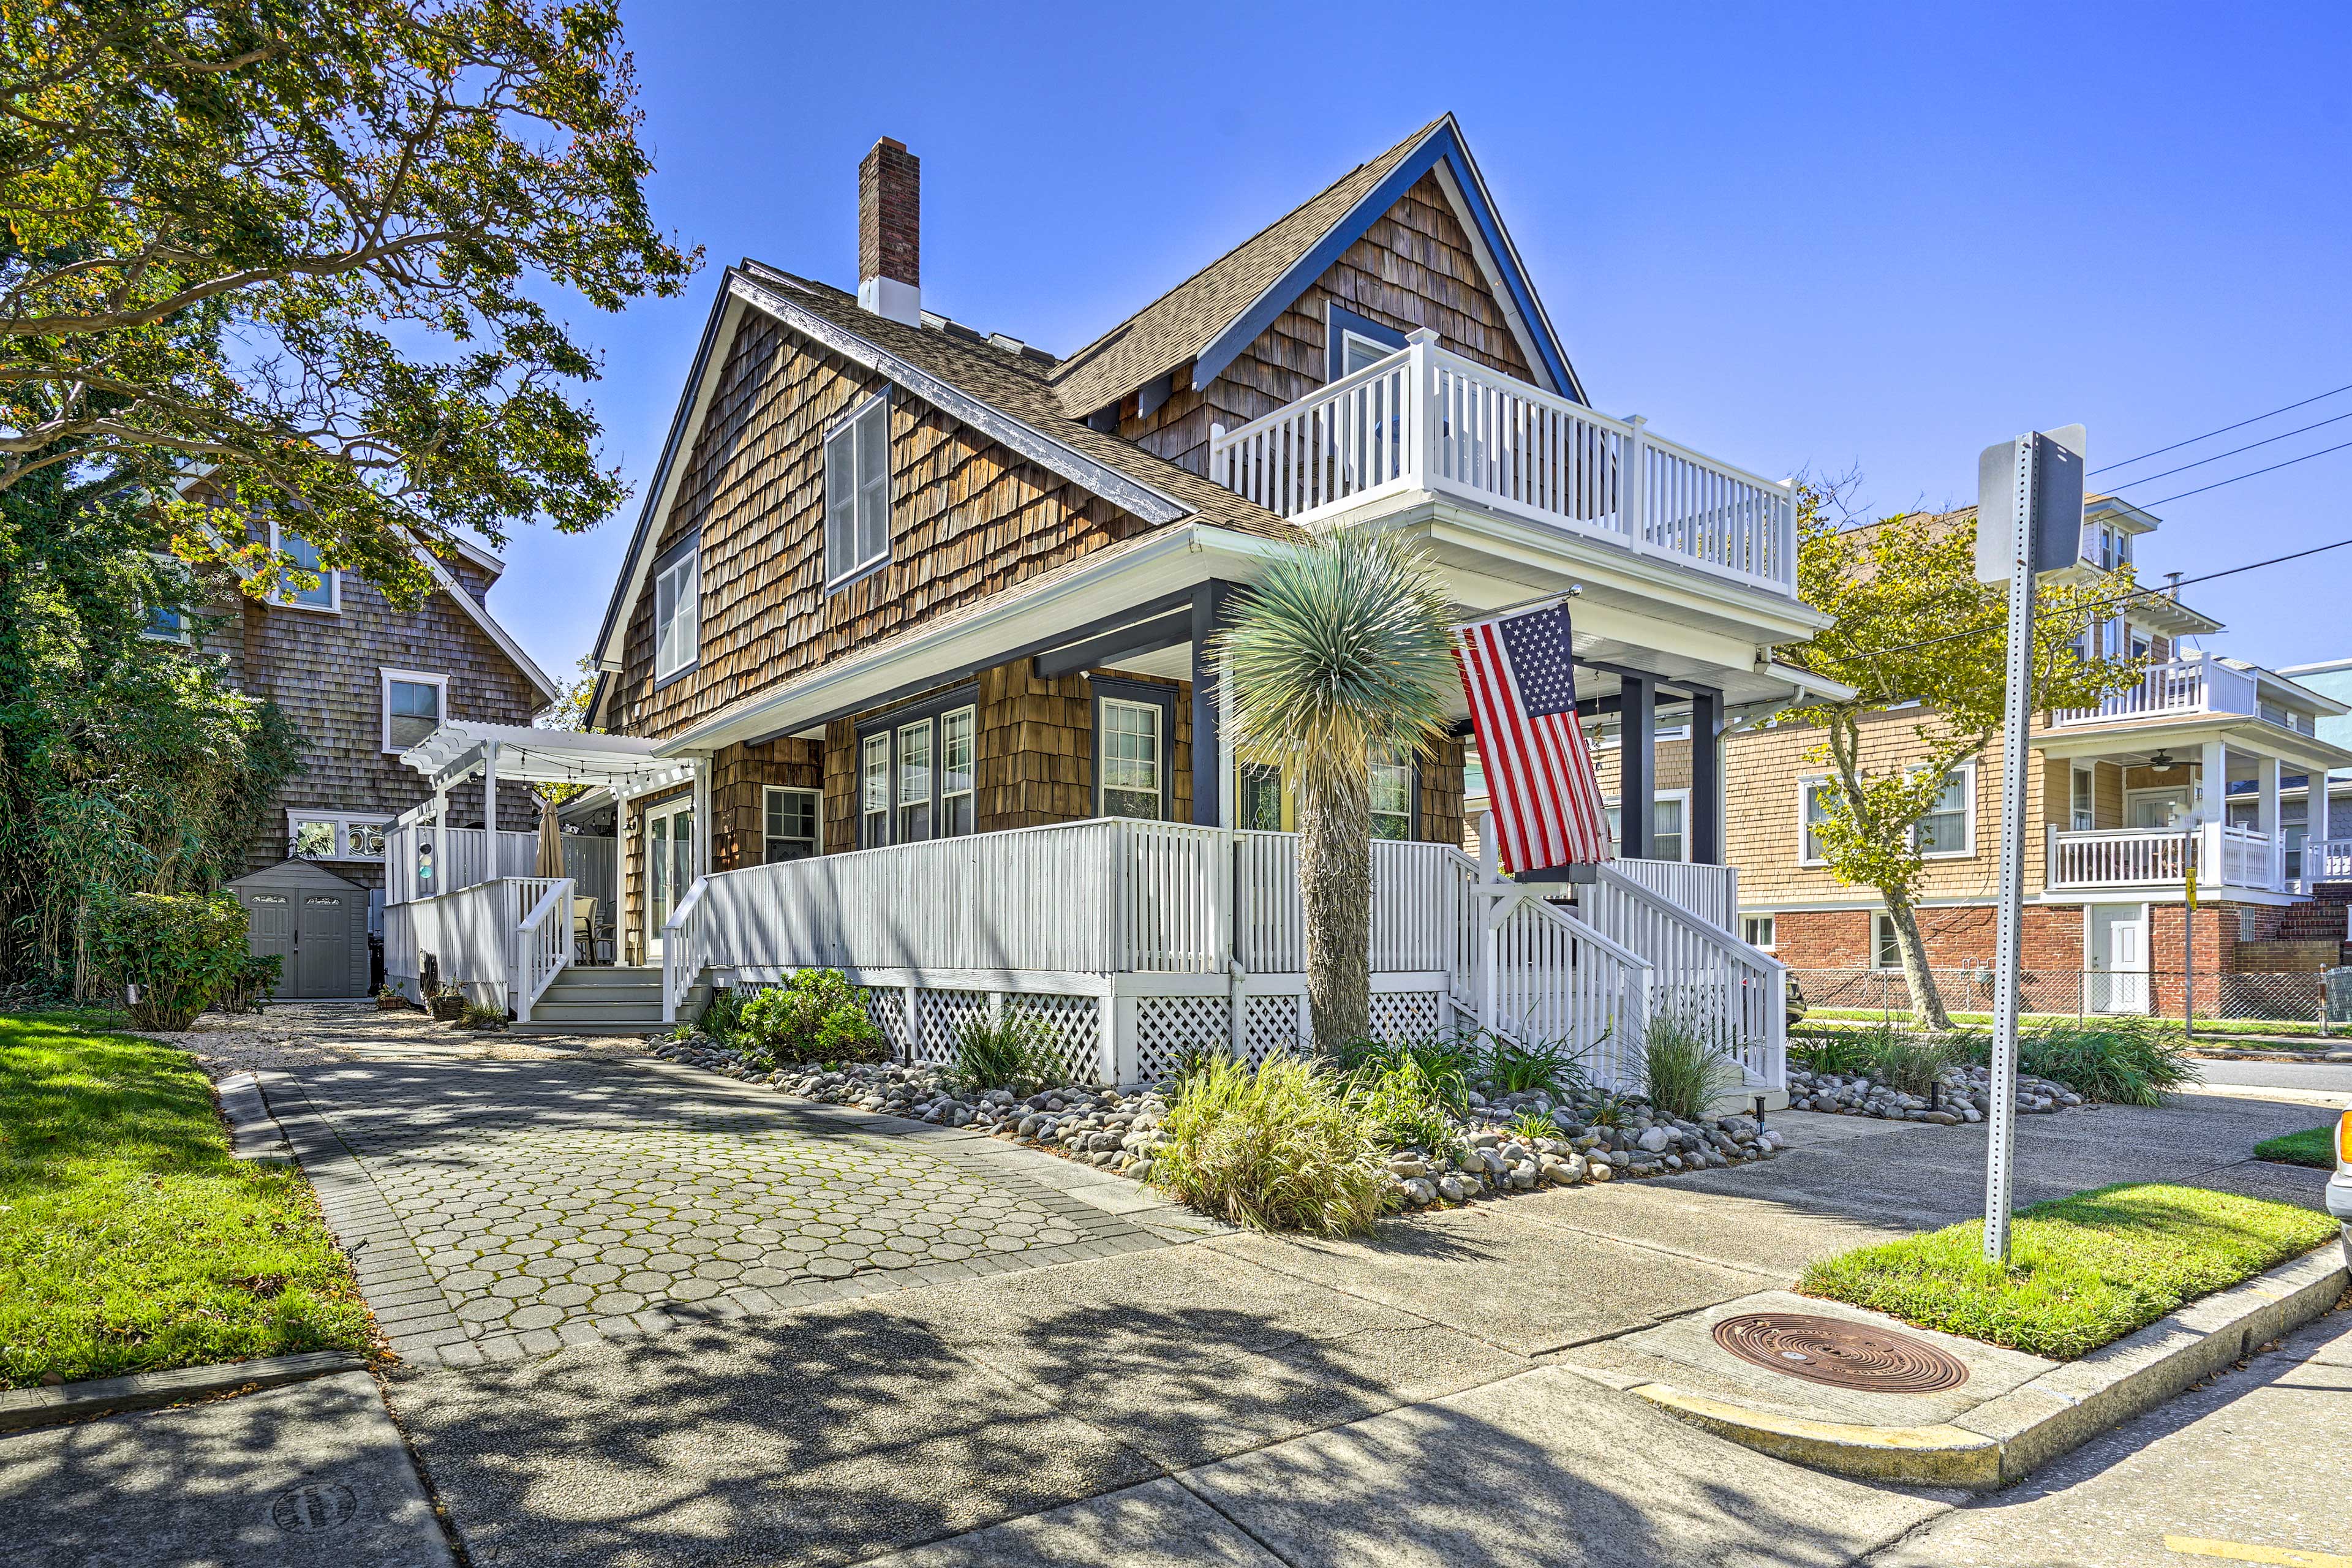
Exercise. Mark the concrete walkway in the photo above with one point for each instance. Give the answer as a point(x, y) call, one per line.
point(1161, 1390)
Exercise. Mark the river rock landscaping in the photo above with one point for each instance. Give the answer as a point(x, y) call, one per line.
point(1497, 1151)
point(1961, 1094)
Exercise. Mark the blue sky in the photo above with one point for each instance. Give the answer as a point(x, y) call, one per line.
point(1799, 237)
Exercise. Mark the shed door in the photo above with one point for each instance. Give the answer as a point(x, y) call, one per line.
point(271, 917)
point(323, 950)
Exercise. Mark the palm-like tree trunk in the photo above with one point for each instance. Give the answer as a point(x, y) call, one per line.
point(1335, 887)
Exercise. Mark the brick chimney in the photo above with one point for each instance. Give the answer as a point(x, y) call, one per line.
point(890, 233)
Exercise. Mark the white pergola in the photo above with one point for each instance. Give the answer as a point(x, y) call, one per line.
point(624, 765)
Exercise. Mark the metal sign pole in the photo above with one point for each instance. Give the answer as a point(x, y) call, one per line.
point(2189, 941)
point(2017, 716)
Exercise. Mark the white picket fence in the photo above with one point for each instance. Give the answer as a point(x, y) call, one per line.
point(1139, 941)
point(1426, 419)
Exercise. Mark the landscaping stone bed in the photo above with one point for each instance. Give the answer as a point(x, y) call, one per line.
point(1120, 1130)
point(1962, 1094)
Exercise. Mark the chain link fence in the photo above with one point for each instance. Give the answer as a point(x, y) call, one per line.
point(2318, 1001)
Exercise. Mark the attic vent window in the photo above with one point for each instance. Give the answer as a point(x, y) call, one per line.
point(858, 492)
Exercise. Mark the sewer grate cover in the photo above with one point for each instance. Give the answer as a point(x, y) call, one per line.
point(1839, 1354)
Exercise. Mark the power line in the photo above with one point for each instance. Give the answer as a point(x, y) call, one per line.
point(2117, 599)
point(2233, 478)
point(2201, 462)
point(2224, 431)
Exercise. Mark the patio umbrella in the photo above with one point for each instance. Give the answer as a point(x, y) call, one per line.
point(550, 843)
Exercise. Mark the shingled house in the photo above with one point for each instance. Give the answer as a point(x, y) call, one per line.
point(911, 643)
point(362, 681)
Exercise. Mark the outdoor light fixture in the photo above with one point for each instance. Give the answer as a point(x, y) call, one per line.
point(2161, 761)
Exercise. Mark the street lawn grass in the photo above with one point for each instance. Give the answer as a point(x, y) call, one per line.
point(2083, 1270)
point(130, 1240)
point(2313, 1146)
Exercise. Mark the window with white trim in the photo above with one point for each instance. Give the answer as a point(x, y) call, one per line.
point(1392, 797)
point(2082, 803)
point(328, 595)
point(677, 612)
point(335, 835)
point(915, 782)
point(958, 741)
point(168, 620)
point(874, 789)
point(414, 703)
point(1947, 828)
point(1812, 810)
point(789, 824)
point(858, 491)
point(1665, 827)
point(1132, 745)
point(1885, 948)
point(1756, 930)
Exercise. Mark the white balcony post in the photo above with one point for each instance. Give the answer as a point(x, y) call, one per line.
point(1420, 399)
point(2213, 783)
point(2267, 809)
point(1628, 483)
point(1221, 462)
point(491, 800)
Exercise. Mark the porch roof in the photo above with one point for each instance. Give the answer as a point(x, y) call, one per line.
point(626, 764)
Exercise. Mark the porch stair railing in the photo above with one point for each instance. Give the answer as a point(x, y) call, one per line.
point(542, 944)
point(1735, 995)
point(502, 942)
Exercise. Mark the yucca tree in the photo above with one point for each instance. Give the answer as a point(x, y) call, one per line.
point(1342, 649)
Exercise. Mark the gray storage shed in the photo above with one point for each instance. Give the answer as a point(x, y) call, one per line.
point(314, 921)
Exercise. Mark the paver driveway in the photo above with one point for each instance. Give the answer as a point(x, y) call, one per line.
point(506, 1207)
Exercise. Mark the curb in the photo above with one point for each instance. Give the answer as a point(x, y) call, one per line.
point(23, 1409)
point(2008, 1437)
point(253, 1131)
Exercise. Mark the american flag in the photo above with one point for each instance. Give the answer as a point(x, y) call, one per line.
point(1522, 690)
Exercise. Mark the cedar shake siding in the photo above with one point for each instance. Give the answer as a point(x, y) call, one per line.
point(322, 669)
point(1413, 268)
point(969, 519)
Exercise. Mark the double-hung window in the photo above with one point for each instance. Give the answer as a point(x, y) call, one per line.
point(1391, 798)
point(919, 777)
point(2082, 803)
point(789, 819)
point(1943, 829)
point(1131, 746)
point(1886, 949)
point(1665, 827)
point(1815, 810)
point(1756, 930)
point(413, 705)
point(326, 593)
point(677, 610)
point(858, 492)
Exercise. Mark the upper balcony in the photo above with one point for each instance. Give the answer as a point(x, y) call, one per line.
point(2190, 685)
point(1427, 420)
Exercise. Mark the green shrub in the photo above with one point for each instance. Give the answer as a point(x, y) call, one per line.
point(1532, 1124)
point(1013, 1050)
point(1277, 1147)
point(723, 1016)
point(1609, 1110)
point(817, 1017)
point(480, 1015)
point(1404, 1107)
point(1515, 1069)
point(1683, 1071)
point(1845, 1053)
point(1893, 1054)
point(254, 985)
point(1444, 1066)
point(2125, 1061)
point(182, 951)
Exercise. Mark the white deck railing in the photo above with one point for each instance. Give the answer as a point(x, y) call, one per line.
point(1732, 994)
point(460, 858)
point(501, 942)
point(2195, 684)
point(1425, 419)
point(2134, 856)
point(2323, 860)
point(1709, 892)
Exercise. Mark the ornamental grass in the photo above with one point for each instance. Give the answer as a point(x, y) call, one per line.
point(1280, 1146)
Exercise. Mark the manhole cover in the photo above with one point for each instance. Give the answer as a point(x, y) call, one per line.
point(306, 1511)
point(1839, 1354)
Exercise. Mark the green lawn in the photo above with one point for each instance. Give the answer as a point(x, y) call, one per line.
point(2315, 1146)
point(130, 1241)
point(2082, 1270)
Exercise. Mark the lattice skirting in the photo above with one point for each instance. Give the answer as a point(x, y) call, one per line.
point(1167, 1027)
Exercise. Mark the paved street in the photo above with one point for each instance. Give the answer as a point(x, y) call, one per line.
point(2321, 1077)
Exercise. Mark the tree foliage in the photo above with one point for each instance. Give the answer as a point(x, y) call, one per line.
point(1912, 625)
point(126, 765)
point(1344, 648)
point(308, 244)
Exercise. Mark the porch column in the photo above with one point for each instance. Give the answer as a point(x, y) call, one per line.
point(1211, 806)
point(1707, 777)
point(2266, 816)
point(2213, 783)
point(490, 801)
point(704, 828)
point(1636, 786)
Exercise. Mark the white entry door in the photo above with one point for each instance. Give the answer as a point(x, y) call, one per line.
point(2119, 980)
point(669, 868)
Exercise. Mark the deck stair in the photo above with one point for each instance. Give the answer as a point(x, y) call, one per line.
point(605, 999)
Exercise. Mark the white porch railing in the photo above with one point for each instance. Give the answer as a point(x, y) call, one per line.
point(2194, 684)
point(1709, 892)
point(2323, 860)
point(501, 942)
point(1734, 993)
point(2224, 856)
point(1425, 419)
point(460, 858)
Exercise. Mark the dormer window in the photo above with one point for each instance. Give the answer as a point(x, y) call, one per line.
point(858, 492)
point(677, 609)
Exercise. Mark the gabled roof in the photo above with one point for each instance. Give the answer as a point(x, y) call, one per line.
point(998, 390)
point(1215, 313)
